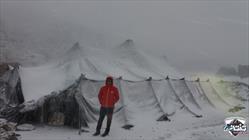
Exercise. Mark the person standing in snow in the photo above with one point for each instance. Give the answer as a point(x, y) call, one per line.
point(108, 96)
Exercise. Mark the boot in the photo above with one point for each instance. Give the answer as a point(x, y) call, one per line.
point(105, 134)
point(96, 133)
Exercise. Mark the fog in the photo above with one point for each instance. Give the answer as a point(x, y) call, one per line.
point(196, 36)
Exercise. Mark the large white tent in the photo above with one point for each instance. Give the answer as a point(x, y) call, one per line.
point(149, 87)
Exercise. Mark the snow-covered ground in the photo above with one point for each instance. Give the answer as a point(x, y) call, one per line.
point(182, 127)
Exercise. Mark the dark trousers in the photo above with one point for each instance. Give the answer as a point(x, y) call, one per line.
point(105, 112)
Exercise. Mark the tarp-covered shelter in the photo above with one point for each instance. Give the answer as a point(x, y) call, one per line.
point(65, 91)
point(159, 100)
point(10, 85)
point(10, 90)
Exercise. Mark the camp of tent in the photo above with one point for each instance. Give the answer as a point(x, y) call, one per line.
point(65, 91)
point(157, 99)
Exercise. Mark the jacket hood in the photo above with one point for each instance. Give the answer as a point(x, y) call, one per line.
point(109, 78)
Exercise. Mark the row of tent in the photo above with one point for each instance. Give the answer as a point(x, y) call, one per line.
point(78, 105)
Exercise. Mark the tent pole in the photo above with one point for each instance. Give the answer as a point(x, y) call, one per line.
point(79, 107)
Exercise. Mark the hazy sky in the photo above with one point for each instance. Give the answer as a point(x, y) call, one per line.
point(196, 35)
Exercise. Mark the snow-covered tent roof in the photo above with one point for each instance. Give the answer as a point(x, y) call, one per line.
point(95, 63)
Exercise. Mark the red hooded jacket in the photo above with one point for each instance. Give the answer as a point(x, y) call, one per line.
point(108, 94)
